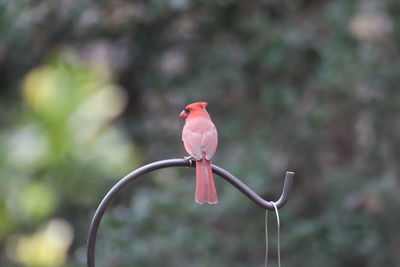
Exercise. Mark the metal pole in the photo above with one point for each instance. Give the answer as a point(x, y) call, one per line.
point(94, 226)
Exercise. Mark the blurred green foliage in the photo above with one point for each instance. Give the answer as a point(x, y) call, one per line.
point(93, 89)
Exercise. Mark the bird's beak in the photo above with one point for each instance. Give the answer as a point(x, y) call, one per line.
point(183, 114)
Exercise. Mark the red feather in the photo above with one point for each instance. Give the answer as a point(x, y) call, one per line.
point(200, 139)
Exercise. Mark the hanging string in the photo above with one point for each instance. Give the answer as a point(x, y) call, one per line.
point(278, 235)
point(266, 238)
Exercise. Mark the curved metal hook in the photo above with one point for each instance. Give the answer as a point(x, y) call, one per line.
point(94, 226)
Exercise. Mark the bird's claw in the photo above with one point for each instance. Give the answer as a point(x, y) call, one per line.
point(190, 159)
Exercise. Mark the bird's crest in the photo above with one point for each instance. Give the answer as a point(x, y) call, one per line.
point(196, 105)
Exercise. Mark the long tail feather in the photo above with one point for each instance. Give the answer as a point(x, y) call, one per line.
point(205, 188)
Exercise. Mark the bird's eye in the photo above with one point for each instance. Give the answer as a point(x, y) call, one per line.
point(187, 110)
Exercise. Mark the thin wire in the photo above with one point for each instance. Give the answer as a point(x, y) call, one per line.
point(266, 238)
point(279, 229)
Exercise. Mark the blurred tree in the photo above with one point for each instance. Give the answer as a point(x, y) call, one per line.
point(58, 154)
point(309, 86)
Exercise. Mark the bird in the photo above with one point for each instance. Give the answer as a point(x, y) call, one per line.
point(200, 139)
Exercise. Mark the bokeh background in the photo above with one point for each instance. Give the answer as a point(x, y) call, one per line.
point(91, 90)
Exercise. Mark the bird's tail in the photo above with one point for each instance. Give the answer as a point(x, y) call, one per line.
point(205, 188)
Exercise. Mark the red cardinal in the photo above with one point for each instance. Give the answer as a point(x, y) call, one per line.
point(200, 139)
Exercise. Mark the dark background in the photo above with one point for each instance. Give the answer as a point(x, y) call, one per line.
point(90, 90)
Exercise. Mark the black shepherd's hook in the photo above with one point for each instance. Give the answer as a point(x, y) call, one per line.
point(94, 226)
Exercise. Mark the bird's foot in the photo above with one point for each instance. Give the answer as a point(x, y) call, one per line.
point(190, 159)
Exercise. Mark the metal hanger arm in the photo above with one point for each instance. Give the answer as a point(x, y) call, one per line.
point(94, 226)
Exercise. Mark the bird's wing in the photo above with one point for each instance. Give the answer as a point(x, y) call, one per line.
point(192, 142)
point(210, 142)
point(200, 136)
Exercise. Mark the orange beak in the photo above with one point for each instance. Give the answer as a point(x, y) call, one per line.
point(183, 114)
